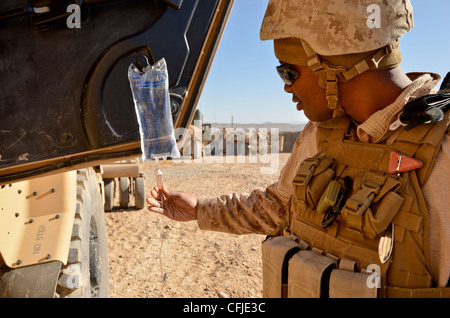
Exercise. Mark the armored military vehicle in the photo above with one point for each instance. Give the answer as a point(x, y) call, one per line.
point(67, 114)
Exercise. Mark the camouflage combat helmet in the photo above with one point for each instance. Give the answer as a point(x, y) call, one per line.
point(337, 39)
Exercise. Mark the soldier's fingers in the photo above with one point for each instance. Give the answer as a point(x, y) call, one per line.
point(155, 193)
point(153, 203)
point(157, 210)
point(165, 191)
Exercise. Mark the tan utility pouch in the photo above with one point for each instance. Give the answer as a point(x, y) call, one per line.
point(347, 284)
point(374, 204)
point(311, 180)
point(276, 253)
point(309, 274)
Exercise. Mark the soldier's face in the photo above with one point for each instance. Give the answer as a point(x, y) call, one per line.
point(309, 96)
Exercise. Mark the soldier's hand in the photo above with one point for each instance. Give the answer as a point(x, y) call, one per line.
point(176, 205)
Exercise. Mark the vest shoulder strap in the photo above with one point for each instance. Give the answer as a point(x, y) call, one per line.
point(332, 131)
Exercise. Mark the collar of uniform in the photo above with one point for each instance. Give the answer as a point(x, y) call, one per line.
point(376, 127)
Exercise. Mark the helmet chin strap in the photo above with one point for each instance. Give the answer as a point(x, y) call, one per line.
point(330, 75)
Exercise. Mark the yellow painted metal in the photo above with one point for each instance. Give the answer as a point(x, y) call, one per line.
point(120, 170)
point(36, 219)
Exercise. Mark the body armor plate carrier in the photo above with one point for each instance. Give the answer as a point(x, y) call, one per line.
point(358, 223)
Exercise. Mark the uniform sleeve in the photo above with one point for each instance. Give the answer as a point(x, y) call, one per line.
point(258, 212)
point(437, 196)
point(262, 210)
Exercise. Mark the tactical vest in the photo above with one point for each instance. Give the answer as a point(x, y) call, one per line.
point(377, 245)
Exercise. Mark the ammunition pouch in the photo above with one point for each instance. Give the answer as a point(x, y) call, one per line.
point(276, 253)
point(313, 177)
point(348, 284)
point(309, 275)
point(291, 270)
point(374, 204)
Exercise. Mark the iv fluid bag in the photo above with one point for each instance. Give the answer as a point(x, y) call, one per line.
point(150, 89)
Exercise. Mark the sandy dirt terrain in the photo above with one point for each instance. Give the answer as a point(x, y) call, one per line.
point(151, 256)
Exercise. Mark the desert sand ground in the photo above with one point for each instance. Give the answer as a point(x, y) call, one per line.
point(151, 256)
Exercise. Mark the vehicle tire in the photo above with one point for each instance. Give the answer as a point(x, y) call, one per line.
point(124, 194)
point(109, 186)
point(86, 274)
point(140, 193)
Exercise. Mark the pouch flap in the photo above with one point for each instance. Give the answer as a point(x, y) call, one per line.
point(309, 275)
point(346, 284)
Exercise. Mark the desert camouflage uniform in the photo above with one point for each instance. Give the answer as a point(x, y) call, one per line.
point(262, 210)
point(337, 27)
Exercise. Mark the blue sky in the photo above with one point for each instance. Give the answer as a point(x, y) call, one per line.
point(243, 83)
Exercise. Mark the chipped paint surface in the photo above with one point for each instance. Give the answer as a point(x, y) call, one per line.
point(24, 157)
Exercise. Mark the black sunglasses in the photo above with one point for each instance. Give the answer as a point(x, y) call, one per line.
point(287, 73)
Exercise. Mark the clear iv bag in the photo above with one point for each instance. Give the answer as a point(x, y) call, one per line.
point(150, 89)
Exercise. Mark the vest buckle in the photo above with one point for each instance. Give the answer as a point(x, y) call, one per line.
point(306, 171)
point(362, 199)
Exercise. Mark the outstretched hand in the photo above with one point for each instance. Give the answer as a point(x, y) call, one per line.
point(176, 205)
